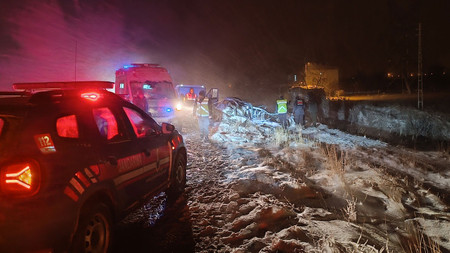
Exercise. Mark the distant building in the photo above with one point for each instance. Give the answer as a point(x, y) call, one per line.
point(321, 76)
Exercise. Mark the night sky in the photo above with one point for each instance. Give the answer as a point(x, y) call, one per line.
point(249, 44)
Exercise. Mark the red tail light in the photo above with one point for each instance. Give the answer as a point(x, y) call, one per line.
point(20, 179)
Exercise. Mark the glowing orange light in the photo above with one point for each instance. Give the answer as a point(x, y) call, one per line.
point(22, 178)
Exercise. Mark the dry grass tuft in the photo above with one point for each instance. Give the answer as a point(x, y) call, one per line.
point(281, 136)
point(336, 159)
point(417, 242)
point(285, 137)
point(310, 163)
point(350, 210)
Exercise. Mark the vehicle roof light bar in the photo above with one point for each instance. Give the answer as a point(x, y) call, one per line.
point(64, 85)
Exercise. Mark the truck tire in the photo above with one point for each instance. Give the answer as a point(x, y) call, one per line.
point(178, 177)
point(94, 232)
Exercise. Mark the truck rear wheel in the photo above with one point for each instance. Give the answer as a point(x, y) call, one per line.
point(178, 177)
point(94, 231)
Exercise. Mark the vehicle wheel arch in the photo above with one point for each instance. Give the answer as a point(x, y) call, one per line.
point(182, 151)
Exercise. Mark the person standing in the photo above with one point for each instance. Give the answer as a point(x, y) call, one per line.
point(140, 100)
point(299, 110)
point(201, 111)
point(191, 95)
point(282, 111)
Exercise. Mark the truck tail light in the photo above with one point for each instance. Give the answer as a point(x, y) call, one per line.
point(20, 179)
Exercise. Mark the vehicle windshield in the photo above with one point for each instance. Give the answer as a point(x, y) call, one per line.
point(153, 90)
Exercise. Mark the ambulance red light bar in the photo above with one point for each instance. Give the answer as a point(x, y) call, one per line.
point(64, 85)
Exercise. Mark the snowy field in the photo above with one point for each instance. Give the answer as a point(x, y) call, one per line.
point(255, 187)
point(322, 190)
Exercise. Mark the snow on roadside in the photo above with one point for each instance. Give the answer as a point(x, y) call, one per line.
point(333, 136)
point(327, 182)
point(403, 121)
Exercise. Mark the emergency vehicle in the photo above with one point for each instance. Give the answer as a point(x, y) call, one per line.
point(155, 83)
point(74, 159)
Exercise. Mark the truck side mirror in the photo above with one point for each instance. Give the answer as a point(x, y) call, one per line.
point(213, 93)
point(167, 128)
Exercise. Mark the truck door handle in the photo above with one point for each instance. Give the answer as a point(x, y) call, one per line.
point(147, 152)
point(112, 160)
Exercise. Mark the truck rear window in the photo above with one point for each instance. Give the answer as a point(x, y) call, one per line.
point(106, 122)
point(67, 126)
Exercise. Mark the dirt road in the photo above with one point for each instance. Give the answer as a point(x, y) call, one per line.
point(190, 224)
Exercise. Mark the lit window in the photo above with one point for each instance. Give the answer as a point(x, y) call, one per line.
point(106, 122)
point(139, 125)
point(67, 126)
point(121, 85)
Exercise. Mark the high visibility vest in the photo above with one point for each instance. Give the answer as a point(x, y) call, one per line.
point(190, 96)
point(203, 108)
point(282, 106)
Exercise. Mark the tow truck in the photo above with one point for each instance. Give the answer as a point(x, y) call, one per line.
point(74, 159)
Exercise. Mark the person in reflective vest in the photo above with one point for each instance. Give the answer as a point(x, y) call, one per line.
point(201, 111)
point(299, 110)
point(282, 111)
point(191, 95)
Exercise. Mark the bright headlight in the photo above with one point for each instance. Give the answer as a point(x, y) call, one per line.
point(178, 107)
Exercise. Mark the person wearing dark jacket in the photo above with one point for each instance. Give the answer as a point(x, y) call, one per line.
point(140, 101)
point(299, 110)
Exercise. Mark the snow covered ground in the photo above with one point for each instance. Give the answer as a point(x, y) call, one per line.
point(258, 188)
point(322, 190)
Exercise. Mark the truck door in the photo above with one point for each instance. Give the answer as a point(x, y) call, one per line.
point(154, 146)
point(120, 157)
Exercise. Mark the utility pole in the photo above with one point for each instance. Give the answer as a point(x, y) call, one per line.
point(420, 72)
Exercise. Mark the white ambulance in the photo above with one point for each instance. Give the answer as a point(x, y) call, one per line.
point(150, 87)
